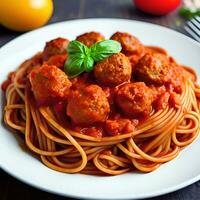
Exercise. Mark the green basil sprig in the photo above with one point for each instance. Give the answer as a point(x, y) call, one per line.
point(81, 58)
point(104, 49)
point(189, 13)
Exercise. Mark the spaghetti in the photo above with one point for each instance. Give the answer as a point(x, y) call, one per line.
point(157, 140)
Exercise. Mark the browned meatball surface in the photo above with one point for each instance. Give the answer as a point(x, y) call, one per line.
point(130, 44)
point(54, 47)
point(88, 105)
point(134, 99)
point(49, 84)
point(153, 68)
point(90, 38)
point(57, 60)
point(113, 70)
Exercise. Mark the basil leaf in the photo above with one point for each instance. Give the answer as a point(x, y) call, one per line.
point(104, 49)
point(88, 64)
point(74, 66)
point(77, 47)
point(81, 58)
point(189, 13)
point(77, 55)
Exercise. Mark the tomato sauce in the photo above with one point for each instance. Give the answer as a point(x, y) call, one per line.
point(117, 122)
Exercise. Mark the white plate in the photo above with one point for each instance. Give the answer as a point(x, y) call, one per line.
point(180, 172)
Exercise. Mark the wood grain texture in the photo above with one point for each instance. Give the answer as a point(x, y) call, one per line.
point(11, 188)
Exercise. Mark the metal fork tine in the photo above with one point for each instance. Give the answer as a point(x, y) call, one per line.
point(193, 28)
point(196, 23)
point(192, 33)
point(198, 19)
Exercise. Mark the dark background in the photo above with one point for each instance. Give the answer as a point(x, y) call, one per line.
point(11, 188)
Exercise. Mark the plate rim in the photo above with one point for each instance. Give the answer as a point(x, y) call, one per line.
point(99, 19)
point(50, 190)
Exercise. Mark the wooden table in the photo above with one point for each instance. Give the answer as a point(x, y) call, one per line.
point(11, 188)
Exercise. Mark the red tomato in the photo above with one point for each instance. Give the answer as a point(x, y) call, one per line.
point(157, 7)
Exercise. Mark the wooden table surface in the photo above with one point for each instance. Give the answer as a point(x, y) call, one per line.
point(11, 188)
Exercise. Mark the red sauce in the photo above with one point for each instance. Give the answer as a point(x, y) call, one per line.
point(162, 101)
point(9, 80)
point(117, 122)
point(60, 111)
point(154, 49)
point(120, 126)
point(93, 132)
point(58, 60)
point(5, 84)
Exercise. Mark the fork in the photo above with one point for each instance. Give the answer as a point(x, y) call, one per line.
point(193, 28)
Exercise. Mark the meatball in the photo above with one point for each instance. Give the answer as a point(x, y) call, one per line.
point(113, 70)
point(90, 38)
point(57, 60)
point(177, 77)
point(49, 84)
point(134, 99)
point(153, 68)
point(130, 44)
point(88, 105)
point(54, 47)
